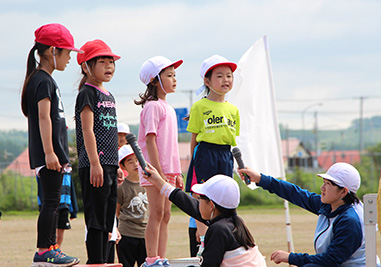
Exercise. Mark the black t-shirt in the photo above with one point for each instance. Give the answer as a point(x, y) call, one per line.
point(41, 86)
point(105, 126)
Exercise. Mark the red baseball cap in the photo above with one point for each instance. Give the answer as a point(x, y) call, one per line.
point(94, 49)
point(56, 35)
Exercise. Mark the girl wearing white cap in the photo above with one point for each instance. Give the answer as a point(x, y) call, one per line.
point(214, 124)
point(158, 141)
point(339, 235)
point(228, 242)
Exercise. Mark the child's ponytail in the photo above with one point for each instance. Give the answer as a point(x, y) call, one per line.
point(31, 68)
point(241, 232)
point(149, 94)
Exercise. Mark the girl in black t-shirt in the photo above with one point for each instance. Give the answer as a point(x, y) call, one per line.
point(97, 146)
point(47, 133)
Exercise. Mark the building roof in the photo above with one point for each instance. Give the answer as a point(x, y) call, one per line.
point(20, 165)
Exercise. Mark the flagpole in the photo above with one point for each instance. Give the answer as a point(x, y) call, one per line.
point(290, 243)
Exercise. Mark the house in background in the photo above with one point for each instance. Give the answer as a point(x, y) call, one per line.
point(327, 158)
point(20, 165)
point(295, 154)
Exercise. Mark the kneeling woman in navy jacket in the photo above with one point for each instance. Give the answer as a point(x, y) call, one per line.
point(339, 235)
point(228, 241)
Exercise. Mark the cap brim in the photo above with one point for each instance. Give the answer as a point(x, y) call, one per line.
point(232, 65)
point(329, 177)
point(175, 64)
point(74, 49)
point(198, 189)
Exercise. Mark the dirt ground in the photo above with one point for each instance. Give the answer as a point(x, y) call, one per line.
point(18, 235)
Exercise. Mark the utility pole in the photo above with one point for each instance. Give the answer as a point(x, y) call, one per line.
point(361, 125)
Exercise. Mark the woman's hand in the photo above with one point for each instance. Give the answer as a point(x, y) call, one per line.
point(280, 256)
point(155, 178)
point(254, 176)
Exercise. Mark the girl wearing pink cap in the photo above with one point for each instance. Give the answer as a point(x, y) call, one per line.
point(47, 132)
point(158, 141)
point(97, 146)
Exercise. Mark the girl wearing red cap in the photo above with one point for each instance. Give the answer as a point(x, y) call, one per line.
point(47, 132)
point(97, 146)
point(214, 124)
point(158, 141)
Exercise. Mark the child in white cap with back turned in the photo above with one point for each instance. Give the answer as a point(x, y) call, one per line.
point(158, 141)
point(228, 241)
point(214, 124)
point(339, 235)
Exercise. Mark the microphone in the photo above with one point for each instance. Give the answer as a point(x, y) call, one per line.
point(238, 157)
point(131, 140)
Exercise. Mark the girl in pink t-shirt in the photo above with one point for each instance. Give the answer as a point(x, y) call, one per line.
point(158, 141)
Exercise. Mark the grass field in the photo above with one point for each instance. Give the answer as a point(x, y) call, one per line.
point(18, 235)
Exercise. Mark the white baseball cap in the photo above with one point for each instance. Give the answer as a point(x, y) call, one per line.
point(344, 175)
point(215, 61)
point(124, 151)
point(221, 189)
point(123, 128)
point(152, 67)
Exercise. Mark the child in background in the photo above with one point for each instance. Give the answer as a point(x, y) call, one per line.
point(131, 210)
point(228, 241)
point(68, 204)
point(47, 133)
point(158, 141)
point(123, 130)
point(214, 124)
point(97, 146)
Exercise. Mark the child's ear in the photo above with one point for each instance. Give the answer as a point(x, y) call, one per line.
point(206, 82)
point(84, 68)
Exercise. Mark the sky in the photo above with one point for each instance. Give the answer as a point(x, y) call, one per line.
point(325, 55)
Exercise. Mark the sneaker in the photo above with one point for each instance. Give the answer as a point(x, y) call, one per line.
point(166, 262)
point(56, 247)
point(155, 264)
point(52, 258)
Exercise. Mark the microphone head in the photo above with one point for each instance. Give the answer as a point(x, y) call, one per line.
point(131, 138)
point(236, 152)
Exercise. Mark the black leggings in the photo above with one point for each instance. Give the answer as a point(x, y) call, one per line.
point(51, 183)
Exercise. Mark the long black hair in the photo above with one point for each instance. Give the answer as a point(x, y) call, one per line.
point(150, 93)
point(241, 232)
point(349, 198)
point(31, 68)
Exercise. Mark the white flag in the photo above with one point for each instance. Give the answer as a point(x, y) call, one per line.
point(259, 140)
point(253, 94)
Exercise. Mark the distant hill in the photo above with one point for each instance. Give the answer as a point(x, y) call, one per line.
point(13, 142)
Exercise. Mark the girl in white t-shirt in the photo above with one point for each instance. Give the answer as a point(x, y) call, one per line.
point(158, 141)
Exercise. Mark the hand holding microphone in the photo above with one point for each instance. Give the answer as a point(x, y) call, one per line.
point(131, 139)
point(238, 157)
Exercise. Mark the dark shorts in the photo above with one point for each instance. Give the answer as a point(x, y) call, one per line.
point(208, 160)
point(63, 219)
point(99, 203)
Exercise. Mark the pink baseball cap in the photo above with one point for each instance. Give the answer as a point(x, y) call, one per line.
point(215, 61)
point(95, 48)
point(344, 175)
point(152, 67)
point(56, 35)
point(221, 189)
